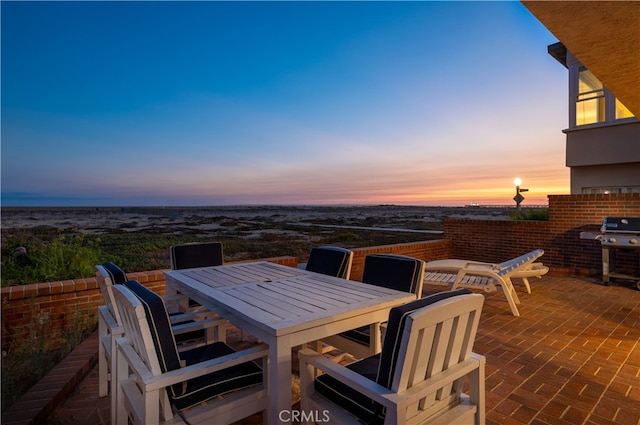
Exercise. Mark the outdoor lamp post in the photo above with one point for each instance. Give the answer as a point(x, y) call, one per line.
point(518, 198)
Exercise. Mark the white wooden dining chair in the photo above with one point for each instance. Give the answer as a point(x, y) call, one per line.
point(417, 378)
point(389, 271)
point(109, 328)
point(158, 384)
point(189, 332)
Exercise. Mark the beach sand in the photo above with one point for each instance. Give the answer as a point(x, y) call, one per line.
point(99, 220)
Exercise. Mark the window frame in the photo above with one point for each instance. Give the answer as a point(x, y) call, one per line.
point(607, 97)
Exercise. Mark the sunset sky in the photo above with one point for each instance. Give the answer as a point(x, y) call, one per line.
point(231, 103)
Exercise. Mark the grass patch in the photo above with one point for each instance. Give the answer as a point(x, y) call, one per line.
point(32, 257)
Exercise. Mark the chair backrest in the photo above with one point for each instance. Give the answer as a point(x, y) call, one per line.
point(510, 265)
point(197, 254)
point(107, 275)
point(159, 324)
point(136, 326)
point(394, 272)
point(428, 336)
point(330, 260)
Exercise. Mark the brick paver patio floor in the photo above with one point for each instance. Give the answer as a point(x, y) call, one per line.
point(573, 357)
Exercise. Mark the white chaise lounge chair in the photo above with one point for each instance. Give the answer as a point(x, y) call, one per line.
point(487, 276)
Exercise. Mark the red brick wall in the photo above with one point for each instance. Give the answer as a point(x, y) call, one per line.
point(494, 240)
point(427, 251)
point(569, 215)
point(60, 305)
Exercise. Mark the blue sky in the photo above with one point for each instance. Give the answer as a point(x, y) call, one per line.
point(218, 103)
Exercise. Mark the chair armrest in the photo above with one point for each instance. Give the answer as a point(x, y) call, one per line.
point(177, 303)
point(478, 272)
point(145, 377)
point(110, 321)
point(430, 385)
point(206, 367)
point(480, 266)
point(183, 317)
point(139, 367)
point(534, 270)
point(360, 383)
point(381, 394)
point(182, 328)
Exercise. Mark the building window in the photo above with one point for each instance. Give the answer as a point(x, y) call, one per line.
point(622, 111)
point(590, 102)
point(594, 104)
point(610, 189)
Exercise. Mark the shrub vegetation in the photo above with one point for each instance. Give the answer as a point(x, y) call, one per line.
point(42, 254)
point(540, 214)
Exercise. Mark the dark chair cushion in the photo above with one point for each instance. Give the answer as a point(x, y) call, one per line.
point(116, 274)
point(139, 289)
point(160, 326)
point(361, 335)
point(392, 271)
point(186, 337)
point(379, 368)
point(203, 388)
point(345, 396)
point(389, 271)
point(328, 260)
point(192, 255)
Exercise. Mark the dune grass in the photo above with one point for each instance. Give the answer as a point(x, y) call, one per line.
point(44, 254)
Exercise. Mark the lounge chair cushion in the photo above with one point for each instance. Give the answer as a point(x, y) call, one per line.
point(329, 260)
point(117, 275)
point(197, 390)
point(379, 368)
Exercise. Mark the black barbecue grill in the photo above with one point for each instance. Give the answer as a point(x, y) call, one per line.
point(618, 233)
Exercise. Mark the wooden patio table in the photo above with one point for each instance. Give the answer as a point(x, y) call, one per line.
point(285, 307)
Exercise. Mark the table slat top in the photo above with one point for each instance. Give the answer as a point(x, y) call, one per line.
point(285, 299)
point(234, 274)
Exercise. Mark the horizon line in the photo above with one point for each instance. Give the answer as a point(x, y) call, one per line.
point(471, 205)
